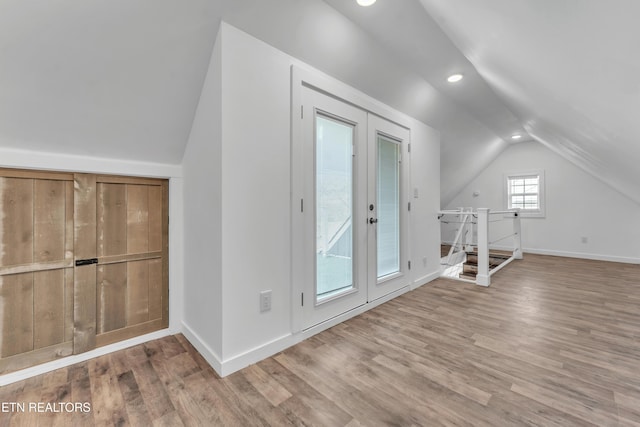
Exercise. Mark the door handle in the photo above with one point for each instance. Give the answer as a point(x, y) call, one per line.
point(373, 220)
point(81, 262)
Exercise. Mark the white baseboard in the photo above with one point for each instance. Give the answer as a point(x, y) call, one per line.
point(209, 355)
point(307, 333)
point(569, 254)
point(261, 352)
point(425, 279)
point(235, 363)
point(582, 255)
point(43, 368)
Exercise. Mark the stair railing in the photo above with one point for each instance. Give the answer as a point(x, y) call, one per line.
point(464, 235)
point(464, 239)
point(483, 278)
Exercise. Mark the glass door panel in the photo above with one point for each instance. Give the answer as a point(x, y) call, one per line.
point(333, 252)
point(334, 207)
point(388, 195)
point(388, 207)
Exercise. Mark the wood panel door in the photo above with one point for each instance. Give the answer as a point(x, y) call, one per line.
point(36, 268)
point(73, 273)
point(132, 250)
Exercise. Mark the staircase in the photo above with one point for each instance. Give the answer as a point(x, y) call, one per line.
point(469, 256)
point(470, 267)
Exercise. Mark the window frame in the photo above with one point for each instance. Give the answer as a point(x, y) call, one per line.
point(529, 213)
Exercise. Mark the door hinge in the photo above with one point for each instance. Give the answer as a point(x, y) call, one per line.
point(302, 299)
point(409, 148)
point(302, 111)
point(301, 205)
point(409, 262)
point(409, 207)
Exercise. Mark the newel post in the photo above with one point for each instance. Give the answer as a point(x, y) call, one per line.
point(482, 278)
point(517, 236)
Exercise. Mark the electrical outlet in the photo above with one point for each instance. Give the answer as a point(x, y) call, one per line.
point(584, 239)
point(424, 261)
point(265, 301)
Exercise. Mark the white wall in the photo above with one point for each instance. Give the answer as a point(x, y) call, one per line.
point(577, 205)
point(424, 233)
point(202, 165)
point(255, 202)
point(256, 191)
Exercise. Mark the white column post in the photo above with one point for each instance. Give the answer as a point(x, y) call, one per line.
point(461, 225)
point(517, 236)
point(482, 278)
point(468, 237)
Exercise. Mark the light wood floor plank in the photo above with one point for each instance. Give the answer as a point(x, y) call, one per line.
point(552, 342)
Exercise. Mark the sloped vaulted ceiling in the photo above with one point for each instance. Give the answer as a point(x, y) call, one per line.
point(117, 78)
point(569, 69)
point(395, 52)
point(122, 79)
point(473, 122)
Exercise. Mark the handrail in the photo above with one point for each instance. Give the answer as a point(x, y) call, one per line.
point(449, 212)
point(458, 212)
point(510, 211)
point(443, 213)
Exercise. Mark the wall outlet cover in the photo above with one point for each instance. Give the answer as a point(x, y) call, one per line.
point(265, 301)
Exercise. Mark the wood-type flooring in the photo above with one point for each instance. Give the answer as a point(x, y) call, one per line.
point(553, 342)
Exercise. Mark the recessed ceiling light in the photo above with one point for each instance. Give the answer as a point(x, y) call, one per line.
point(516, 137)
point(454, 78)
point(366, 2)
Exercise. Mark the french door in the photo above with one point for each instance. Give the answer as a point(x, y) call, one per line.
point(353, 206)
point(335, 190)
point(83, 263)
point(389, 208)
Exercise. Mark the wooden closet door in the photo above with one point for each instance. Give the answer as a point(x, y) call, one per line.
point(36, 267)
point(83, 263)
point(132, 251)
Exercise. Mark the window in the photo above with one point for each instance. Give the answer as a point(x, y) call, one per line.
point(526, 192)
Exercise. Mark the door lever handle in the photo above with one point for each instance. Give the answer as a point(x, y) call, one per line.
point(373, 220)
